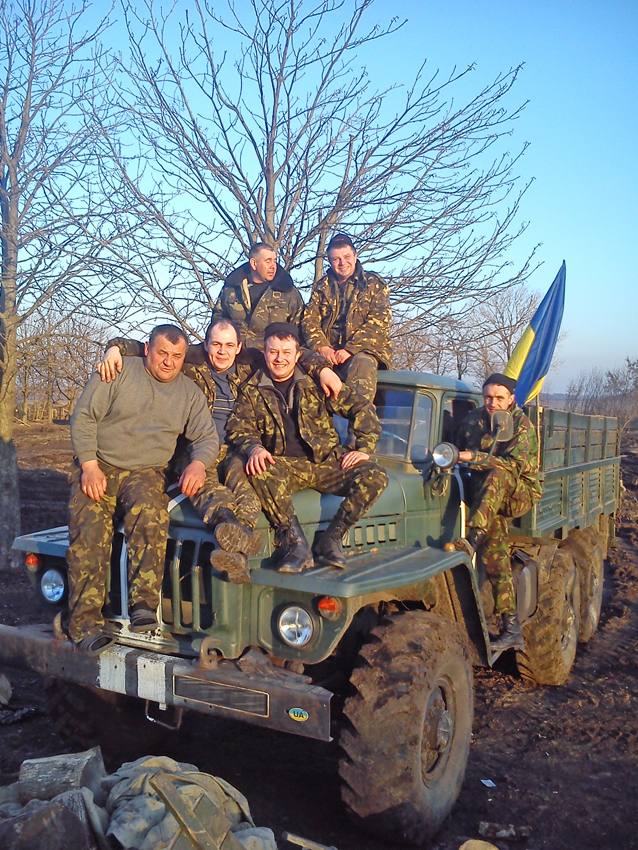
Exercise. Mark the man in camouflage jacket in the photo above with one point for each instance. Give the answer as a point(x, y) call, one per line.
point(219, 367)
point(282, 425)
point(257, 293)
point(348, 317)
point(506, 486)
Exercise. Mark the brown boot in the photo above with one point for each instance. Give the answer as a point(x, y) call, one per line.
point(233, 536)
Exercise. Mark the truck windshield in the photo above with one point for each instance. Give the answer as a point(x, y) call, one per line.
point(394, 409)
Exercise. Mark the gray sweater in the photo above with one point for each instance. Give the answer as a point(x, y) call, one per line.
point(134, 422)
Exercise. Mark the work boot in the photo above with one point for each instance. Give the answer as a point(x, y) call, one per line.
point(233, 536)
point(297, 555)
point(327, 550)
point(471, 543)
point(510, 637)
point(234, 564)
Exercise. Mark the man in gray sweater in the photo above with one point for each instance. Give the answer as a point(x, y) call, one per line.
point(123, 435)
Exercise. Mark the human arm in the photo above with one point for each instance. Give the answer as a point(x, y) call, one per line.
point(352, 458)
point(512, 456)
point(92, 480)
point(242, 429)
point(315, 315)
point(91, 408)
point(200, 429)
point(365, 422)
point(258, 460)
point(372, 333)
point(318, 367)
point(111, 364)
point(192, 478)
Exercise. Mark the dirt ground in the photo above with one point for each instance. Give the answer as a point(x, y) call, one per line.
point(564, 760)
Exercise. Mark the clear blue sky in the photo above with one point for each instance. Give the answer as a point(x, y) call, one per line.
point(581, 78)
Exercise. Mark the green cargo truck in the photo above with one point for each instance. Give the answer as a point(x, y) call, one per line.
point(381, 653)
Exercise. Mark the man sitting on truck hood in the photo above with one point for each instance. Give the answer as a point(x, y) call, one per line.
point(282, 424)
point(219, 366)
point(123, 435)
point(505, 486)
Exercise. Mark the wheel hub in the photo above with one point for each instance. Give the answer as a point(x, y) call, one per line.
point(438, 731)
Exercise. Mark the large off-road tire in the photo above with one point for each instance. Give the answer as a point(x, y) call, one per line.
point(84, 717)
point(588, 552)
point(552, 636)
point(407, 744)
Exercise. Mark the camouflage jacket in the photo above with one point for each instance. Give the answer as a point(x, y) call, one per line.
point(519, 456)
point(367, 320)
point(256, 419)
point(197, 368)
point(281, 302)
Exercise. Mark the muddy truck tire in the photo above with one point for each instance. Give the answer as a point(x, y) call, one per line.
point(410, 724)
point(588, 551)
point(552, 636)
point(83, 718)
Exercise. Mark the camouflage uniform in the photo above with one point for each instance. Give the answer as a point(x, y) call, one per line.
point(366, 334)
point(227, 484)
point(281, 302)
point(139, 497)
point(506, 487)
point(256, 421)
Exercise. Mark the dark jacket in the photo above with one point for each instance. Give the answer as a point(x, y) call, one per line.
point(367, 321)
point(256, 419)
point(280, 302)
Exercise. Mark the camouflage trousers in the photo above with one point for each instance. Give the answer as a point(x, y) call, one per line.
point(226, 486)
point(139, 499)
point(361, 485)
point(360, 373)
point(500, 496)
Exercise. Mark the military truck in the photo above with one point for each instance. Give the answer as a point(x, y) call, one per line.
point(381, 653)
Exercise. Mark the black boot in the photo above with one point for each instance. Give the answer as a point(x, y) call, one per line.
point(297, 556)
point(471, 543)
point(510, 637)
point(233, 536)
point(328, 551)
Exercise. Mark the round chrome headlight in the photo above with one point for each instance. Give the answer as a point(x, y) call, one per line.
point(295, 626)
point(445, 455)
point(52, 586)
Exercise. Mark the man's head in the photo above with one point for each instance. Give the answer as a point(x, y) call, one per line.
point(164, 352)
point(498, 392)
point(342, 256)
point(222, 344)
point(281, 350)
point(263, 263)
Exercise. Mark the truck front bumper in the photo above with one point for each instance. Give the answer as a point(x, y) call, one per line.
point(271, 697)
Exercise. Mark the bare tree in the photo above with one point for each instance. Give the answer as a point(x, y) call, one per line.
point(287, 142)
point(611, 393)
point(51, 192)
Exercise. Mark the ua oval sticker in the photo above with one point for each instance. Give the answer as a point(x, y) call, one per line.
point(299, 714)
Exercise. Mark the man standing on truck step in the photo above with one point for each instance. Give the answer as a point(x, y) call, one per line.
point(257, 293)
point(506, 486)
point(219, 366)
point(348, 317)
point(123, 435)
point(282, 424)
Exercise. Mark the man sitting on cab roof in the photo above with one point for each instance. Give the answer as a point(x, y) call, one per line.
point(506, 487)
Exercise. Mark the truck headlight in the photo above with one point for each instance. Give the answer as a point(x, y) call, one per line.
point(52, 586)
point(445, 455)
point(295, 626)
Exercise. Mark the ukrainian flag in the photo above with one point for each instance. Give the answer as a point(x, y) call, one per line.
point(532, 357)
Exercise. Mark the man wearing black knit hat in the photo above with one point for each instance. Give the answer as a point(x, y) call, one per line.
point(505, 486)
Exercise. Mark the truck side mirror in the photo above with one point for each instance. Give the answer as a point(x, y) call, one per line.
point(502, 426)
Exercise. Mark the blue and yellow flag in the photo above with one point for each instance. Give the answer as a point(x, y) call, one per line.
point(532, 357)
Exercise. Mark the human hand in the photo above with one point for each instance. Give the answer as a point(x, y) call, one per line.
point(258, 461)
point(341, 355)
point(466, 456)
point(111, 364)
point(331, 383)
point(192, 478)
point(93, 480)
point(352, 458)
point(329, 353)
